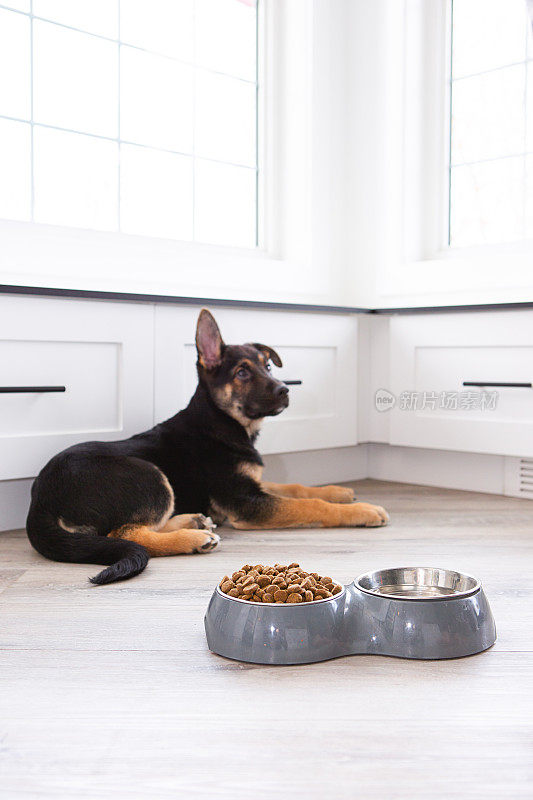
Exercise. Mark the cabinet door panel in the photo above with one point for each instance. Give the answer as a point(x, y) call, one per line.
point(101, 353)
point(434, 356)
point(57, 364)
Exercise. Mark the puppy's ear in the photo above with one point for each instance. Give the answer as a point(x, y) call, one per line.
point(209, 342)
point(269, 352)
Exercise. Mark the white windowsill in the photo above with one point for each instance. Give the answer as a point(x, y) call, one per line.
point(56, 257)
point(498, 274)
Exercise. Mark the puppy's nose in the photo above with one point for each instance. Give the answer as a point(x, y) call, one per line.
point(281, 391)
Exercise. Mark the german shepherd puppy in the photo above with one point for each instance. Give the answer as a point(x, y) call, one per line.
point(118, 503)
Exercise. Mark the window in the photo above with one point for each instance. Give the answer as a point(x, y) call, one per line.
point(137, 116)
point(491, 152)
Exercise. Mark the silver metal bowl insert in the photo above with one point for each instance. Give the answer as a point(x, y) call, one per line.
point(418, 583)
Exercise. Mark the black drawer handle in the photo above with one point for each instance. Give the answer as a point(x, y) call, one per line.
point(498, 383)
point(31, 389)
point(292, 383)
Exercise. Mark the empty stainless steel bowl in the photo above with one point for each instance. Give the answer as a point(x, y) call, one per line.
point(418, 583)
point(408, 612)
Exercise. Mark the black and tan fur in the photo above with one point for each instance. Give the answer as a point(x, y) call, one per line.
point(118, 503)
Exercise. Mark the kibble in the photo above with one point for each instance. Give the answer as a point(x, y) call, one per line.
point(278, 584)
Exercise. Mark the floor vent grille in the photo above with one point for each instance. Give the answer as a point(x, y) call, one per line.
point(525, 478)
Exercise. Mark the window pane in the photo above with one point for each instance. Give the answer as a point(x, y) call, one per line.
point(75, 180)
point(75, 80)
point(155, 193)
point(20, 5)
point(488, 34)
point(529, 198)
point(225, 204)
point(96, 16)
point(226, 36)
point(491, 123)
point(225, 119)
point(164, 26)
point(529, 108)
point(14, 65)
point(144, 116)
point(156, 101)
point(487, 202)
point(15, 173)
point(488, 118)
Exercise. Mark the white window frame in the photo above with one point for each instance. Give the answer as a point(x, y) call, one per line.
point(302, 110)
point(419, 268)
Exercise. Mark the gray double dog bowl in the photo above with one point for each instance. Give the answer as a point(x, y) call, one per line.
point(408, 612)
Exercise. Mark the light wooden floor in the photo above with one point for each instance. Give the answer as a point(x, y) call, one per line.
point(111, 691)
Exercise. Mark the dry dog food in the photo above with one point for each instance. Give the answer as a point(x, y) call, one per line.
point(278, 584)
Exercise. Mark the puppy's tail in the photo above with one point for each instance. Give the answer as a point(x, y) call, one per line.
point(124, 559)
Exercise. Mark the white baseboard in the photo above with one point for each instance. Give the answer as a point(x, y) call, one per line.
point(311, 467)
point(474, 472)
point(315, 467)
point(447, 469)
point(14, 503)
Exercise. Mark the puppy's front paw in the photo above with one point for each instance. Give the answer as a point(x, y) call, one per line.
point(338, 494)
point(202, 522)
point(368, 516)
point(211, 540)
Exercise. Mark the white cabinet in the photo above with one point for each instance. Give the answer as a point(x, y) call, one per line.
point(126, 365)
point(105, 356)
point(318, 349)
point(100, 352)
point(434, 358)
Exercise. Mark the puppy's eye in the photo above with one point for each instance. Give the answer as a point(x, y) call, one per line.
point(242, 373)
point(269, 367)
